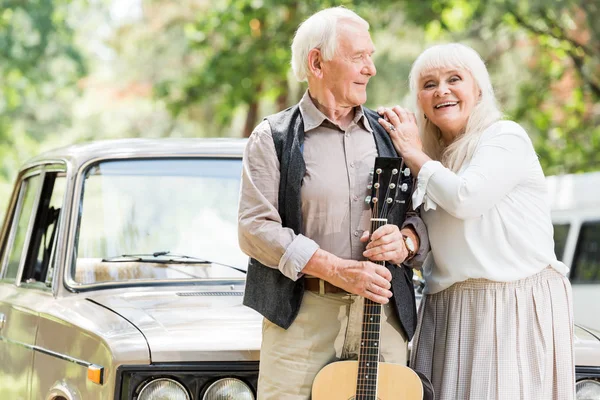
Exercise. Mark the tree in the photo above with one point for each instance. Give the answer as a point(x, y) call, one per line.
point(558, 98)
point(245, 45)
point(38, 74)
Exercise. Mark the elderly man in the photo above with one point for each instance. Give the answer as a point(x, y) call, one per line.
point(303, 219)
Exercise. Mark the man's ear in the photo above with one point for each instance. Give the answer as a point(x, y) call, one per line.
point(315, 63)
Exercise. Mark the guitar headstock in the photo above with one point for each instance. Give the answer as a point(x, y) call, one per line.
point(391, 187)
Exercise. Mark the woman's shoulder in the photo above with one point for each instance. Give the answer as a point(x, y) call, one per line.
point(507, 129)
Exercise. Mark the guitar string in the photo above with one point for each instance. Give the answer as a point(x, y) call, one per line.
point(364, 369)
point(374, 335)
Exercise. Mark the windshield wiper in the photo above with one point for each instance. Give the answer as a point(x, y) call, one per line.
point(166, 257)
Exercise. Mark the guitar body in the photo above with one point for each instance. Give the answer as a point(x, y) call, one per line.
point(337, 381)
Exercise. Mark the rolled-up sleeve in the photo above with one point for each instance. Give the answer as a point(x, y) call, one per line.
point(260, 232)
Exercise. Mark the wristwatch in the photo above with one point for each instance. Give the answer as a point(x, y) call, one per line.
point(410, 246)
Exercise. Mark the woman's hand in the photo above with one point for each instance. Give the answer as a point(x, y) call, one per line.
point(401, 125)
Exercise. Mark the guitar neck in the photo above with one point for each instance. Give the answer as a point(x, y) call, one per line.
point(368, 358)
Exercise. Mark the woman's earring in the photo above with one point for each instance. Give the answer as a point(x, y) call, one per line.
point(425, 116)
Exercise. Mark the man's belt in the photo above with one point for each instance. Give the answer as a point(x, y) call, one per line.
point(320, 286)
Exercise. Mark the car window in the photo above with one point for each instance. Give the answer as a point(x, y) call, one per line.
point(138, 215)
point(561, 232)
point(28, 194)
point(42, 244)
point(586, 262)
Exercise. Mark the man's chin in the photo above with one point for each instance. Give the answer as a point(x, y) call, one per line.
point(359, 100)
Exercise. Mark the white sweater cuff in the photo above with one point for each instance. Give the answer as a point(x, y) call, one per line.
point(420, 195)
point(297, 256)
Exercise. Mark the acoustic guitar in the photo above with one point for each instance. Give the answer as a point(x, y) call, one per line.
point(368, 378)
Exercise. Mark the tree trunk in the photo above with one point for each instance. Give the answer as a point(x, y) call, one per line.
point(251, 118)
point(282, 99)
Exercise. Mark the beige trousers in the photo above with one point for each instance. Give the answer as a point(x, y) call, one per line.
point(327, 328)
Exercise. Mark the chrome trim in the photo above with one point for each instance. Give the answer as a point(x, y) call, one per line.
point(583, 328)
point(68, 281)
point(64, 225)
point(77, 287)
point(52, 354)
point(17, 205)
point(62, 389)
point(32, 218)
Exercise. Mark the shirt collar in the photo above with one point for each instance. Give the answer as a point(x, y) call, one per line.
point(313, 117)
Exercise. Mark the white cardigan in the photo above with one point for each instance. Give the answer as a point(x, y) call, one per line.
point(491, 219)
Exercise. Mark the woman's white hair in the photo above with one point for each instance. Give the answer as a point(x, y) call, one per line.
point(485, 112)
point(319, 31)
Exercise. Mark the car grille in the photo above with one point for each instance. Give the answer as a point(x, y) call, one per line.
point(210, 293)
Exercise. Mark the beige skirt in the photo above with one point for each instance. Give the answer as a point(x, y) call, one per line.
point(485, 340)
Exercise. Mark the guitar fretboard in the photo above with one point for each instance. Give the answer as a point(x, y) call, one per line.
point(368, 359)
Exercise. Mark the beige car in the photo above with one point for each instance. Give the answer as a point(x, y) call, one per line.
point(121, 277)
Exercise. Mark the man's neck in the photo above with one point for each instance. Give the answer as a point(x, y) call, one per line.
point(339, 115)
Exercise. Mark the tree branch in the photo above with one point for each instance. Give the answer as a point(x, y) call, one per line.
point(550, 32)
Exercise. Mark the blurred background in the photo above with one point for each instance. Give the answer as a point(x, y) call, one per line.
point(81, 70)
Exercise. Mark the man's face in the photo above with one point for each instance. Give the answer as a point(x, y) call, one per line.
point(346, 75)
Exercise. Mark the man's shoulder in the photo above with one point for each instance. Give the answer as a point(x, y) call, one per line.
point(371, 113)
point(282, 115)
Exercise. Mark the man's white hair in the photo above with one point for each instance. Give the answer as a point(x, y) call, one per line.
point(485, 112)
point(319, 31)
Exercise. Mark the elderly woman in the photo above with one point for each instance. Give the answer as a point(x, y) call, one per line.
point(496, 319)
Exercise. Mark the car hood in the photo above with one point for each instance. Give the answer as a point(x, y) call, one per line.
point(190, 325)
point(587, 346)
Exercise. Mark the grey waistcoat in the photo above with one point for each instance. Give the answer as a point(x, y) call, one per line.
point(271, 293)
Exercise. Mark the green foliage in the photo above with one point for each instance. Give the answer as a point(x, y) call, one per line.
point(558, 102)
point(38, 73)
point(245, 45)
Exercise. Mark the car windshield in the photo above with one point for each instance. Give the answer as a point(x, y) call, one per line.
point(158, 220)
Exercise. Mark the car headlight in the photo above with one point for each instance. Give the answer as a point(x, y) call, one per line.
point(163, 389)
point(228, 389)
point(587, 389)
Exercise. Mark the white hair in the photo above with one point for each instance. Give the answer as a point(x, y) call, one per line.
point(319, 31)
point(485, 112)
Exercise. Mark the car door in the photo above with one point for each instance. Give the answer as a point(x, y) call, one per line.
point(17, 324)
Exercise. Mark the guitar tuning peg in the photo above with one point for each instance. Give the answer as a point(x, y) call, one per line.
point(368, 199)
point(379, 171)
point(394, 171)
point(369, 186)
point(376, 185)
point(406, 171)
point(375, 200)
point(389, 200)
point(392, 186)
point(404, 187)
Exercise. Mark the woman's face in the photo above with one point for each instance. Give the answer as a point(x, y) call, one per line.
point(447, 97)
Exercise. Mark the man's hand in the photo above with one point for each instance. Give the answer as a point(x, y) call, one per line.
point(366, 279)
point(387, 244)
point(363, 278)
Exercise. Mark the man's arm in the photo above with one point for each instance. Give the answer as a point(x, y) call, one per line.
point(260, 231)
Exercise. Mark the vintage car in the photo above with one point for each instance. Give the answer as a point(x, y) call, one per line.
point(121, 277)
